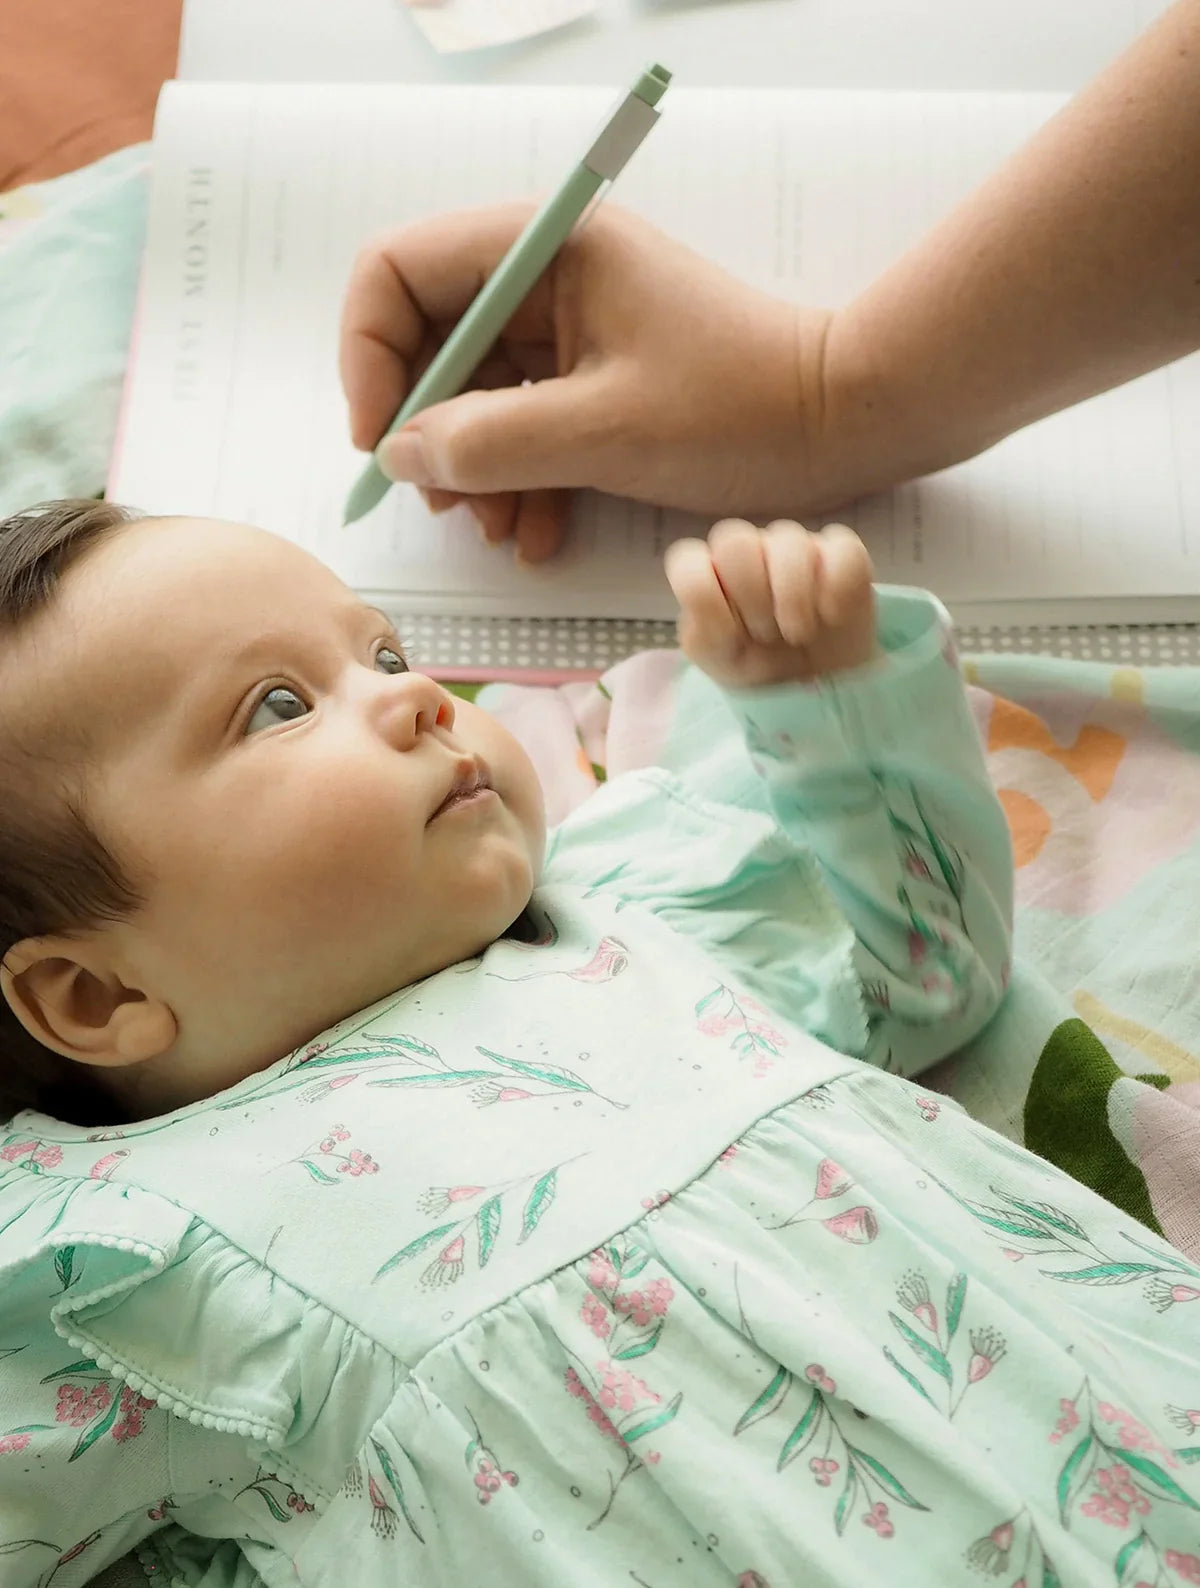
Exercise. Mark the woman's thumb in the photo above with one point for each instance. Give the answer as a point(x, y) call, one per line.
point(515, 438)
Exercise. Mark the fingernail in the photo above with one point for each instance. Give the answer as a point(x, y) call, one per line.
point(402, 457)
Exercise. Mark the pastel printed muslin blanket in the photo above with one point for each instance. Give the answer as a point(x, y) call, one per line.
point(1094, 1061)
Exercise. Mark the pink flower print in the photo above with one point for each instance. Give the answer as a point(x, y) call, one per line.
point(622, 1389)
point(103, 1168)
point(576, 1387)
point(832, 1179)
point(1013, 1257)
point(1186, 1418)
point(601, 1273)
point(358, 1163)
point(823, 1470)
point(489, 1092)
point(858, 1225)
point(634, 1304)
point(1067, 1423)
point(729, 1154)
point(816, 1374)
point(383, 1518)
point(48, 1157)
point(447, 1266)
point(752, 1579)
point(130, 1415)
point(11, 1443)
point(717, 1025)
point(991, 1554)
point(1115, 1495)
point(1161, 1294)
point(609, 960)
point(158, 1513)
point(77, 1405)
point(434, 1202)
point(595, 1315)
point(297, 1502)
point(659, 1294)
point(322, 1088)
point(1133, 1435)
point(651, 1203)
point(488, 1478)
point(930, 1108)
point(913, 1295)
point(987, 1347)
point(16, 1150)
point(877, 1518)
point(916, 946)
point(1187, 1566)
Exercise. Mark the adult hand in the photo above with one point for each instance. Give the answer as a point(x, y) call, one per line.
point(651, 373)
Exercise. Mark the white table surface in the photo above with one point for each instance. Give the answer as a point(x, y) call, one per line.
point(946, 44)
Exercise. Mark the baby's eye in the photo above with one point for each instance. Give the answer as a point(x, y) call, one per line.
point(390, 661)
point(280, 704)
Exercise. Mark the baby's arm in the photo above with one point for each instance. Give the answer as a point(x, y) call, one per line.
point(872, 765)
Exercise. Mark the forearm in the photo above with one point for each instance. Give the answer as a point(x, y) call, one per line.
point(1075, 267)
point(879, 776)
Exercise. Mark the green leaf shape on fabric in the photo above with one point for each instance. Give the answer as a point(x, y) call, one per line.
point(1066, 1119)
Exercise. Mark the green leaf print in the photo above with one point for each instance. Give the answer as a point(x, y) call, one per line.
point(540, 1199)
point(1067, 1486)
point(771, 1398)
point(413, 1247)
point(1127, 1563)
point(640, 1430)
point(487, 1221)
point(436, 1078)
point(885, 1479)
point(1050, 1578)
point(96, 1429)
point(802, 1432)
point(1104, 1274)
point(64, 1263)
point(16, 1544)
point(929, 1354)
point(84, 1365)
point(708, 999)
point(1189, 1453)
point(397, 1488)
point(1153, 1473)
point(846, 1501)
point(905, 1374)
point(272, 1504)
point(317, 1174)
point(955, 1296)
point(639, 1347)
point(1047, 1213)
point(549, 1074)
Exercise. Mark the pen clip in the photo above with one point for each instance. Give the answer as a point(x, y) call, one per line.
point(619, 137)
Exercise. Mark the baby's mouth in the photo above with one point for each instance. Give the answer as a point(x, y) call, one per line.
point(470, 786)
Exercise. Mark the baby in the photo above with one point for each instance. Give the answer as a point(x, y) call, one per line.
point(394, 1203)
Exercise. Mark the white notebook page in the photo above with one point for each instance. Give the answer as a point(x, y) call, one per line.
point(263, 194)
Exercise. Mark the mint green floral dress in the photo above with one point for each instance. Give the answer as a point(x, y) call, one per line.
point(605, 1259)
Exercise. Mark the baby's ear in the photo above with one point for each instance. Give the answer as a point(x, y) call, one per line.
point(69, 999)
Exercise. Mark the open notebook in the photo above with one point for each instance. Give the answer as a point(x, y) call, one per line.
point(263, 193)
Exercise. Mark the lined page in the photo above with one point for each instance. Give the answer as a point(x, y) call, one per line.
point(263, 194)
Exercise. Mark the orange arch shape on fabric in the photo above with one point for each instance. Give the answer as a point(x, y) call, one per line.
point(1092, 760)
point(1028, 822)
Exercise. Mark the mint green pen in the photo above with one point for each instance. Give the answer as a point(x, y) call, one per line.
point(473, 338)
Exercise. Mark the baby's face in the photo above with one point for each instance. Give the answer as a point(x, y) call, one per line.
point(314, 825)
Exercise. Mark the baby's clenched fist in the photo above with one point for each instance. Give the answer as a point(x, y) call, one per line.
point(775, 605)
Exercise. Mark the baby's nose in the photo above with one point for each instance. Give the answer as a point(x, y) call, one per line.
point(414, 705)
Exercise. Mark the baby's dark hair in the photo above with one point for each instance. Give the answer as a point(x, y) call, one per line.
point(56, 876)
